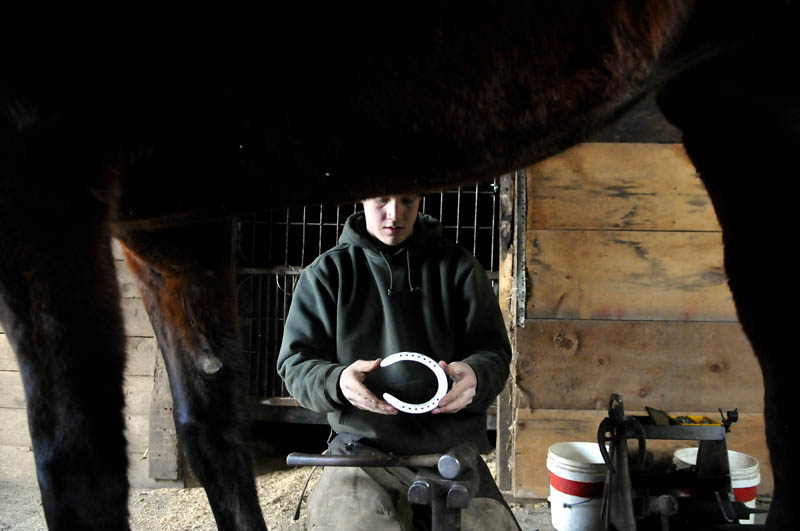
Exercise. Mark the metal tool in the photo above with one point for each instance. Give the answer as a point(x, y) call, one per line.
point(447, 492)
point(637, 498)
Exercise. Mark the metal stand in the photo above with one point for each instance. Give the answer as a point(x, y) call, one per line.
point(637, 497)
point(447, 489)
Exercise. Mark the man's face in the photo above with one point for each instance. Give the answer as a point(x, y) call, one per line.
point(390, 219)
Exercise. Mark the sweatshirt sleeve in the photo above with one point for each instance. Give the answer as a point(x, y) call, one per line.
point(307, 359)
point(486, 339)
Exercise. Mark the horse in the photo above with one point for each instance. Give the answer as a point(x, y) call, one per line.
point(158, 136)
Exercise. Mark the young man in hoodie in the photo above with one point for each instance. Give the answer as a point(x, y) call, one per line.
point(394, 284)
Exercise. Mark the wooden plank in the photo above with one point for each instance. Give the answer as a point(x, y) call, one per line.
point(164, 449)
point(504, 442)
point(598, 186)
point(8, 362)
point(667, 365)
point(142, 352)
point(127, 284)
point(537, 429)
point(138, 467)
point(116, 250)
point(137, 322)
point(136, 389)
point(17, 466)
point(669, 276)
point(15, 430)
point(11, 393)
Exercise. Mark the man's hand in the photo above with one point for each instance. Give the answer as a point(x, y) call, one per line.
point(351, 382)
point(465, 385)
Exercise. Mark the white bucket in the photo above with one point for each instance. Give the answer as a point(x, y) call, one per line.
point(745, 475)
point(577, 475)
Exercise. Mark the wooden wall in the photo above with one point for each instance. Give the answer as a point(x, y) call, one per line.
point(16, 456)
point(625, 293)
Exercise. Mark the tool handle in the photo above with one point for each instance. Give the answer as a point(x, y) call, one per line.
point(458, 460)
point(362, 460)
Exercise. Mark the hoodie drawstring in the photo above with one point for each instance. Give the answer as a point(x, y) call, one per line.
point(408, 265)
point(411, 287)
point(391, 275)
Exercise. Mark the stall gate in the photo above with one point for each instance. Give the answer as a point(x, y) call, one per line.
point(274, 247)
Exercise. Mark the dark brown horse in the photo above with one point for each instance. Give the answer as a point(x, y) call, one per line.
point(157, 141)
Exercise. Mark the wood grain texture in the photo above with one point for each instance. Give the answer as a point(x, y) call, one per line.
point(537, 429)
point(8, 361)
point(137, 322)
point(606, 186)
point(667, 365)
point(627, 275)
point(162, 438)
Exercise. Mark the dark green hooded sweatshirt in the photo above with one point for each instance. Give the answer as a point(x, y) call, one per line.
point(364, 300)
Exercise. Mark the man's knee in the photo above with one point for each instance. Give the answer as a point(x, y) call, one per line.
point(347, 498)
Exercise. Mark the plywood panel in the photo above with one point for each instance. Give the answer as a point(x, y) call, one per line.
point(536, 430)
point(619, 186)
point(627, 275)
point(667, 365)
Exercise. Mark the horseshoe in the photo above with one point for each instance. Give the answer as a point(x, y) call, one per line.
point(441, 378)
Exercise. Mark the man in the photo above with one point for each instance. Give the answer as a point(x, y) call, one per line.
point(393, 284)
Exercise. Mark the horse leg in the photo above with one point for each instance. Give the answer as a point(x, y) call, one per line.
point(186, 278)
point(742, 132)
point(59, 306)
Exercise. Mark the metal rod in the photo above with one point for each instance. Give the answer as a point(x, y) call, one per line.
point(495, 215)
point(301, 459)
point(475, 223)
point(286, 248)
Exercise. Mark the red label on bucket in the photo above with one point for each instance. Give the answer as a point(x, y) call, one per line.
point(576, 488)
point(745, 494)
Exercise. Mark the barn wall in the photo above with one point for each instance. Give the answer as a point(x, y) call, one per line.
point(16, 456)
point(626, 294)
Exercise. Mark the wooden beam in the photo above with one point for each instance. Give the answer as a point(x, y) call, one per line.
point(8, 362)
point(674, 276)
point(164, 453)
point(666, 365)
point(597, 186)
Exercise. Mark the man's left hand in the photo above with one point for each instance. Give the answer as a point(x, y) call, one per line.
point(465, 385)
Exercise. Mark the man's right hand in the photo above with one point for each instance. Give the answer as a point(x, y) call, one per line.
point(351, 382)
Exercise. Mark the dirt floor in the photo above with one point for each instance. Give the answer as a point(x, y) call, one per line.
point(187, 509)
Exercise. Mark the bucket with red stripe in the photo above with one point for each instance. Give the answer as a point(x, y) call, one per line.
point(745, 475)
point(577, 475)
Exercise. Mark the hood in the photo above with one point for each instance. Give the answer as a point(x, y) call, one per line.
point(426, 229)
